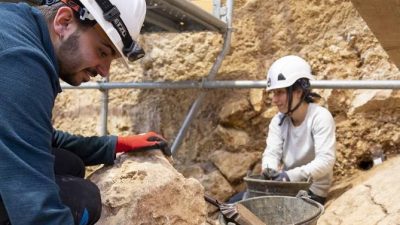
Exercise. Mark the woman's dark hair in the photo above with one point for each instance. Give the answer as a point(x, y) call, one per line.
point(303, 84)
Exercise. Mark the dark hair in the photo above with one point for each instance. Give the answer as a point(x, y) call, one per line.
point(50, 12)
point(303, 84)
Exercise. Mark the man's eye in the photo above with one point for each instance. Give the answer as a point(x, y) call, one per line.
point(103, 54)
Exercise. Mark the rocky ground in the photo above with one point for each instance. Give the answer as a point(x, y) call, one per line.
point(228, 135)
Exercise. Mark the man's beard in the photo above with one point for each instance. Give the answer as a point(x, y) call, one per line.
point(70, 59)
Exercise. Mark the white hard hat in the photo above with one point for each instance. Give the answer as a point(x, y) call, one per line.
point(121, 20)
point(287, 70)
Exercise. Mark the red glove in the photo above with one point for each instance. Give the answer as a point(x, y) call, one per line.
point(142, 142)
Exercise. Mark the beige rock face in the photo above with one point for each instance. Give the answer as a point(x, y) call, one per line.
point(256, 99)
point(374, 199)
point(236, 113)
point(234, 166)
point(370, 100)
point(213, 181)
point(145, 189)
point(234, 138)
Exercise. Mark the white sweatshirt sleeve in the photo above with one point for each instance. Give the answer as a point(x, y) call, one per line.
point(272, 155)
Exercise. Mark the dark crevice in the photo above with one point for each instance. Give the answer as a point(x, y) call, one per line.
point(377, 203)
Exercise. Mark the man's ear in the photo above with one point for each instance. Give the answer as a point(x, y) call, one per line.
point(64, 22)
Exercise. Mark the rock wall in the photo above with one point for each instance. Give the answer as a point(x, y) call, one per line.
point(228, 135)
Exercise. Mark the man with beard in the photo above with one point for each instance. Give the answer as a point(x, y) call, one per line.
point(42, 169)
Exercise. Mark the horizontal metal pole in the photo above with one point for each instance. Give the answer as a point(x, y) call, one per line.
point(355, 84)
point(318, 84)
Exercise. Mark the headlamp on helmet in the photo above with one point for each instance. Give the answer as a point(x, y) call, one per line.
point(88, 10)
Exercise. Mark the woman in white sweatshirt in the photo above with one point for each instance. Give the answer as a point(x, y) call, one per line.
point(301, 137)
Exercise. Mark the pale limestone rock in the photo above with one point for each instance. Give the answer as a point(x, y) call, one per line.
point(236, 113)
point(234, 139)
point(195, 171)
point(256, 99)
point(270, 113)
point(143, 188)
point(363, 97)
point(396, 138)
point(217, 185)
point(234, 166)
point(214, 183)
point(373, 200)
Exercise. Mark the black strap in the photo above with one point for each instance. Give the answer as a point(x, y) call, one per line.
point(112, 15)
point(289, 92)
point(290, 101)
point(299, 103)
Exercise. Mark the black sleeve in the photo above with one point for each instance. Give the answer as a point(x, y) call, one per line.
point(92, 150)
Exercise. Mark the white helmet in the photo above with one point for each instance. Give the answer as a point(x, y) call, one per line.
point(121, 20)
point(287, 70)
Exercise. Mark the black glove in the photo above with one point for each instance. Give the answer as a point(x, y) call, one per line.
point(163, 145)
point(282, 176)
point(270, 174)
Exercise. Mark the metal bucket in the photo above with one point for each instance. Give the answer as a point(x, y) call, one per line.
point(257, 186)
point(283, 210)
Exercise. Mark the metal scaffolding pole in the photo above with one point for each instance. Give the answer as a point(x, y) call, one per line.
point(219, 84)
point(213, 72)
point(104, 110)
point(356, 84)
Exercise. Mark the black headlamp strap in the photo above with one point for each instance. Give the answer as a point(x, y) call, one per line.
point(112, 15)
point(78, 8)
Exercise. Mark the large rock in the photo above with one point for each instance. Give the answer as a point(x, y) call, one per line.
point(374, 199)
point(218, 186)
point(145, 189)
point(214, 183)
point(236, 113)
point(235, 139)
point(256, 99)
point(374, 100)
point(234, 166)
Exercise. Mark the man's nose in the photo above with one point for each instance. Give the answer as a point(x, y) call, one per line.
point(104, 68)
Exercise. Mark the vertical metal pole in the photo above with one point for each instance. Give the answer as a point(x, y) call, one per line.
point(213, 72)
point(104, 110)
